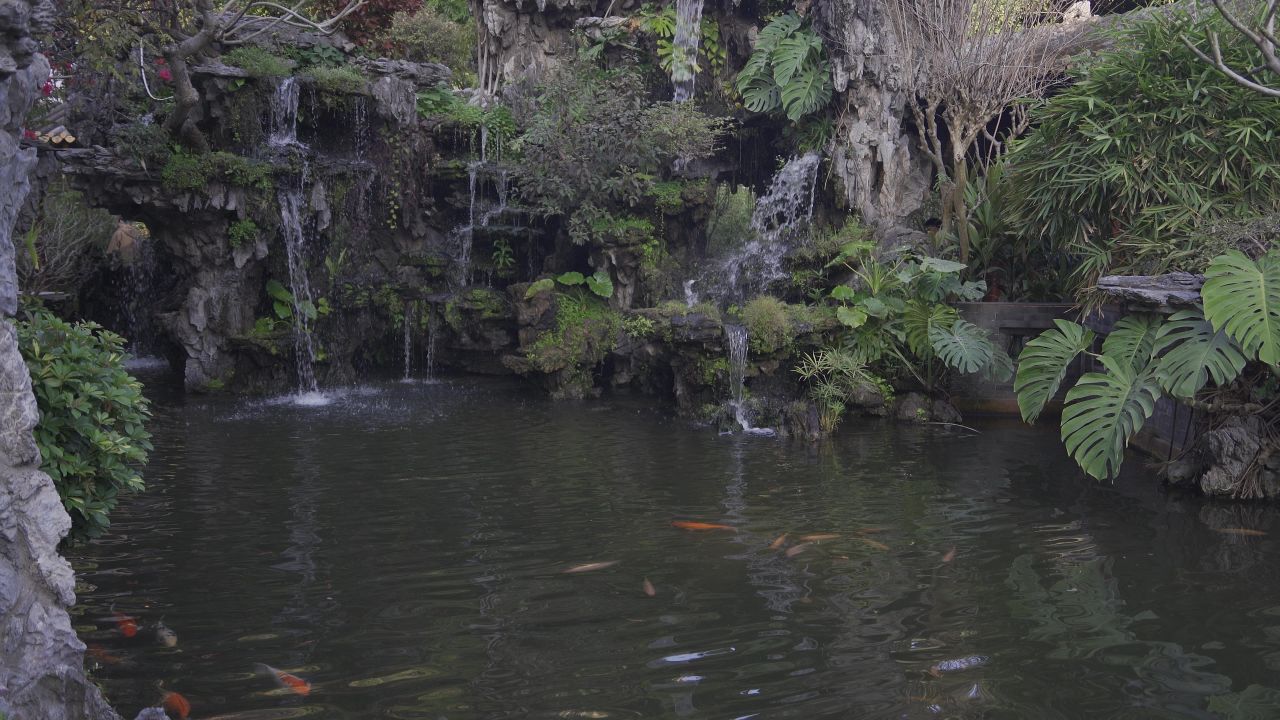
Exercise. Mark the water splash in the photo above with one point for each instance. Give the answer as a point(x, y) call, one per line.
point(736, 338)
point(292, 225)
point(780, 223)
point(284, 114)
point(684, 50)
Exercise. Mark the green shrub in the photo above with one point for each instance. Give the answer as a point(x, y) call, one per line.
point(1149, 145)
point(768, 324)
point(148, 145)
point(429, 36)
point(258, 62)
point(242, 232)
point(344, 80)
point(586, 330)
point(92, 435)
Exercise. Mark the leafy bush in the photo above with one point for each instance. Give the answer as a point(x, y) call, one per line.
point(63, 246)
point(343, 79)
point(242, 231)
point(788, 70)
point(148, 145)
point(1145, 357)
point(768, 324)
point(258, 62)
point(427, 35)
point(92, 435)
point(836, 374)
point(592, 136)
point(1148, 147)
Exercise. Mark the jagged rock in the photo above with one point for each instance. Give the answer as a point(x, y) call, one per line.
point(918, 407)
point(1162, 292)
point(420, 74)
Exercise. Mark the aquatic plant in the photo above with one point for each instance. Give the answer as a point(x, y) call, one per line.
point(1146, 357)
point(92, 432)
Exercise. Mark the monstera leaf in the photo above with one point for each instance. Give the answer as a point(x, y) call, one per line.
point(792, 54)
point(1193, 352)
point(808, 91)
point(1242, 297)
point(1133, 340)
point(1103, 411)
point(759, 94)
point(919, 320)
point(963, 346)
point(1001, 368)
point(1044, 362)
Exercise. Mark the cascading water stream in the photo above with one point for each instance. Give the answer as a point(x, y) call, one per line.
point(464, 236)
point(736, 338)
point(429, 362)
point(284, 114)
point(684, 52)
point(778, 221)
point(292, 225)
point(408, 343)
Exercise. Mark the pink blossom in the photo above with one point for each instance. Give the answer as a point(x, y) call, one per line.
point(165, 75)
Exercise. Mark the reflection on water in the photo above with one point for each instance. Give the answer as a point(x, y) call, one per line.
point(402, 549)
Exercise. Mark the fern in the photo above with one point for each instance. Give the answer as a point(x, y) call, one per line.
point(1043, 364)
point(1242, 297)
point(1103, 411)
point(963, 346)
point(1193, 352)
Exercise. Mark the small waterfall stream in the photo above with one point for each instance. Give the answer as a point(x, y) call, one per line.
point(284, 114)
point(684, 51)
point(292, 225)
point(736, 338)
point(463, 237)
point(408, 343)
point(429, 362)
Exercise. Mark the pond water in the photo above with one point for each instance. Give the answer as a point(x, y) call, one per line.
point(402, 549)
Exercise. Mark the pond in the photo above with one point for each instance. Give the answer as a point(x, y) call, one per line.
point(403, 550)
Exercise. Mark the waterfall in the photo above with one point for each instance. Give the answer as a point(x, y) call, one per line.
point(408, 343)
point(780, 218)
point(360, 127)
point(463, 237)
point(429, 368)
point(736, 338)
point(690, 295)
point(684, 51)
point(284, 114)
point(292, 212)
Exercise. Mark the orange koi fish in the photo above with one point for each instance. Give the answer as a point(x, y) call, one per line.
point(875, 544)
point(694, 525)
point(777, 542)
point(175, 705)
point(819, 537)
point(797, 549)
point(588, 567)
point(1240, 531)
point(127, 626)
point(949, 555)
point(287, 680)
point(649, 589)
point(101, 655)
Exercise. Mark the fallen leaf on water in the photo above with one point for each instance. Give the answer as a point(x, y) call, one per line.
point(777, 542)
point(694, 525)
point(875, 544)
point(648, 588)
point(1240, 531)
point(588, 567)
point(819, 537)
point(797, 549)
point(949, 555)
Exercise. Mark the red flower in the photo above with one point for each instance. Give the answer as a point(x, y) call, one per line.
point(47, 88)
point(29, 134)
point(165, 75)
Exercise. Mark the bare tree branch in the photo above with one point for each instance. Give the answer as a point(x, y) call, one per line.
point(1263, 37)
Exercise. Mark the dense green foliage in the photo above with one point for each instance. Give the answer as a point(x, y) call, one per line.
point(92, 435)
point(788, 70)
point(769, 327)
point(594, 138)
point(1145, 356)
point(193, 173)
point(257, 62)
point(428, 35)
point(1130, 163)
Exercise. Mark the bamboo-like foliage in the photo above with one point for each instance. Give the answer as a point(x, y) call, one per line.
point(966, 62)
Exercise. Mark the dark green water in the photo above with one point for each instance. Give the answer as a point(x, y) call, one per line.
point(402, 549)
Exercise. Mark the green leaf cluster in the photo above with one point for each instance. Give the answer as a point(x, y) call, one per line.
point(1145, 357)
point(1149, 146)
point(185, 172)
point(92, 432)
point(258, 62)
point(787, 72)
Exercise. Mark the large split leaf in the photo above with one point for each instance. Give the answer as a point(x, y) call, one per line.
point(1133, 339)
point(1044, 362)
point(1242, 297)
point(963, 346)
point(1103, 411)
point(920, 318)
point(1193, 352)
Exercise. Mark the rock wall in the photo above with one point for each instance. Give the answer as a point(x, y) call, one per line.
point(41, 659)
